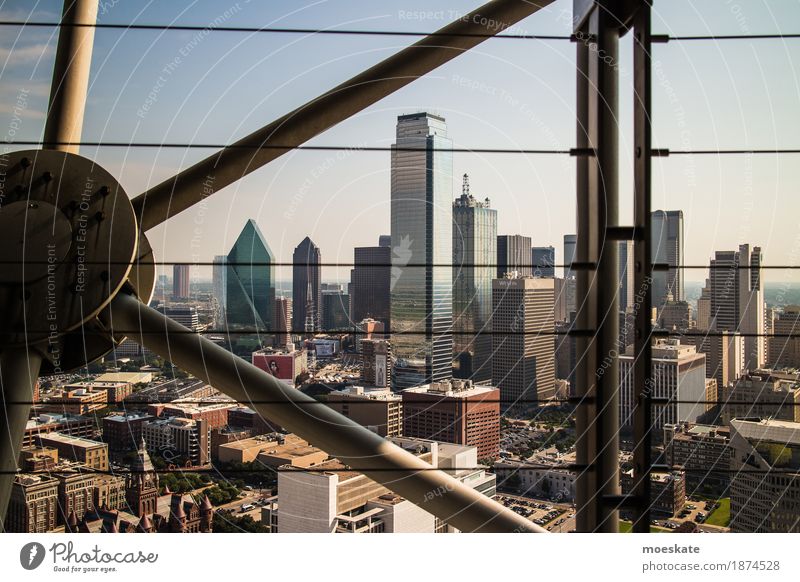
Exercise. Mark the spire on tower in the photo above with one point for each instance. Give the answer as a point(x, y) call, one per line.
point(465, 186)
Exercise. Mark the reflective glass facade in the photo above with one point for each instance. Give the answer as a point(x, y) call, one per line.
point(250, 281)
point(422, 251)
point(474, 252)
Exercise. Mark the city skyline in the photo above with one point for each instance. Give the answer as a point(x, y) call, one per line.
point(519, 104)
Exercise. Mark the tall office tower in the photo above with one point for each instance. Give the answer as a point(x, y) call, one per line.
point(422, 251)
point(704, 308)
point(675, 315)
point(679, 375)
point(543, 261)
point(784, 345)
point(186, 315)
point(667, 248)
point(180, 281)
point(219, 285)
point(282, 323)
point(513, 254)
point(570, 242)
point(627, 288)
point(765, 482)
point(370, 281)
point(724, 353)
point(335, 311)
point(737, 299)
point(385, 240)
point(523, 346)
point(306, 286)
point(474, 252)
point(250, 281)
point(376, 362)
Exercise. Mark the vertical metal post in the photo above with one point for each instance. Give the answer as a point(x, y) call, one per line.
point(597, 286)
point(19, 370)
point(642, 367)
point(70, 75)
point(585, 361)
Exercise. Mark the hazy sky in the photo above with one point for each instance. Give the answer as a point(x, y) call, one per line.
point(507, 93)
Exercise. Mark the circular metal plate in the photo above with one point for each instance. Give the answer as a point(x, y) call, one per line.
point(69, 236)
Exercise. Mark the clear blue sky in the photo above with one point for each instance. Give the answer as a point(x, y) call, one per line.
point(706, 95)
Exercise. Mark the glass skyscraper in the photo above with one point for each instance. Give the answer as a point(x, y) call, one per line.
point(667, 249)
point(422, 251)
point(474, 251)
point(250, 282)
point(306, 286)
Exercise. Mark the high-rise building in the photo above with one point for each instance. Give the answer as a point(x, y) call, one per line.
point(570, 242)
point(543, 261)
point(282, 322)
point(667, 249)
point(765, 482)
point(180, 281)
point(422, 251)
point(186, 315)
point(370, 281)
point(784, 344)
point(737, 299)
point(703, 322)
point(376, 362)
point(474, 252)
point(703, 452)
point(760, 397)
point(380, 409)
point(679, 376)
point(724, 353)
point(513, 255)
point(626, 273)
point(675, 315)
point(306, 287)
point(335, 311)
point(454, 411)
point(523, 346)
point(219, 289)
point(250, 281)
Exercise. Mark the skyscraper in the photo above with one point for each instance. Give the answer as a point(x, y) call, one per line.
point(570, 242)
point(679, 377)
point(737, 299)
point(667, 249)
point(219, 288)
point(306, 290)
point(282, 323)
point(626, 273)
point(474, 251)
point(513, 254)
point(370, 281)
point(422, 251)
point(543, 260)
point(180, 281)
point(523, 346)
point(784, 347)
point(250, 281)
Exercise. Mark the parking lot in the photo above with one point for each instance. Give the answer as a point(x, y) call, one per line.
point(693, 511)
point(554, 517)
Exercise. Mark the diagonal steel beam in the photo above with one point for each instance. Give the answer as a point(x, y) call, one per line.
point(379, 459)
point(70, 76)
point(192, 185)
point(19, 371)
